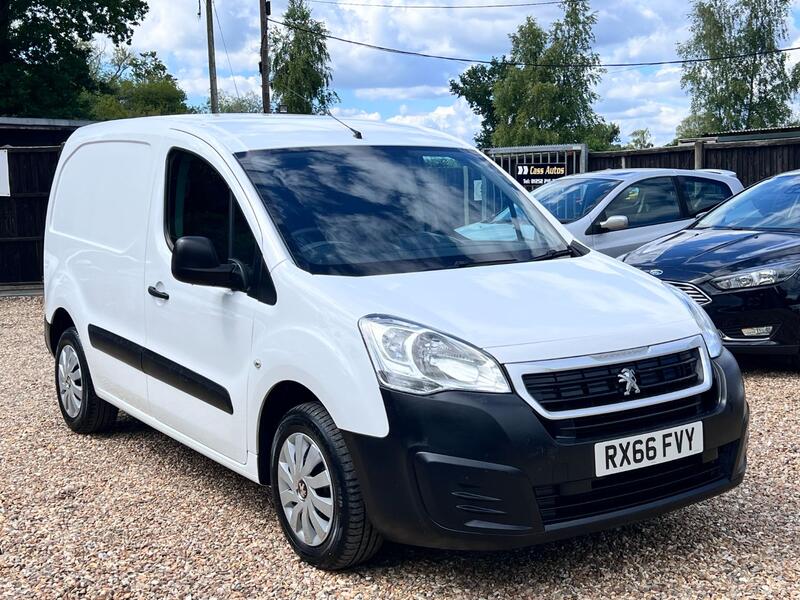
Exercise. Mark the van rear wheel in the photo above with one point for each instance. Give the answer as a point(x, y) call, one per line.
point(82, 410)
point(316, 493)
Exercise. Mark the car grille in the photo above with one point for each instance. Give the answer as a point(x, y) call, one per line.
point(691, 290)
point(600, 386)
point(638, 420)
point(631, 489)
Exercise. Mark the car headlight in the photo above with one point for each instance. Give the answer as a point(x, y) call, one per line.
point(412, 358)
point(750, 278)
point(707, 328)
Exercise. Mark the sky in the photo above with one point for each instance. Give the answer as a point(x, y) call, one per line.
point(412, 90)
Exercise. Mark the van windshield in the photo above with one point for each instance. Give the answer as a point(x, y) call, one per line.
point(370, 210)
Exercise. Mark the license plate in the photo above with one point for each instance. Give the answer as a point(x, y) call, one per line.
point(637, 451)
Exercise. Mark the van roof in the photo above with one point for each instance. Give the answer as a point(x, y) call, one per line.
point(242, 132)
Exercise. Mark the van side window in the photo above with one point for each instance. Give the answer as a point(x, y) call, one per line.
point(199, 202)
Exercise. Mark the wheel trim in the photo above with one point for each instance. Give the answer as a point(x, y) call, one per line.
point(70, 381)
point(305, 490)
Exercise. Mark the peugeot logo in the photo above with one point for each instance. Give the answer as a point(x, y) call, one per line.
point(628, 377)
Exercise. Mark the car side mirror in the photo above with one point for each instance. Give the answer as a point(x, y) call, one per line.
point(194, 260)
point(615, 223)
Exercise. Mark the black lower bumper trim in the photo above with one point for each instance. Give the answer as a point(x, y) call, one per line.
point(482, 471)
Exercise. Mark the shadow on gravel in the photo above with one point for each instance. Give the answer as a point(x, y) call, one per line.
point(610, 550)
point(759, 365)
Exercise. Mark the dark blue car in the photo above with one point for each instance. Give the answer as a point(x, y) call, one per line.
point(740, 262)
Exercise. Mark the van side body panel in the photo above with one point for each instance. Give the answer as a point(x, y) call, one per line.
point(95, 252)
point(310, 339)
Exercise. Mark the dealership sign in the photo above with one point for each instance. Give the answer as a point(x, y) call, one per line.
point(536, 174)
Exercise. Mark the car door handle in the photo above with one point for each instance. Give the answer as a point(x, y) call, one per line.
point(156, 293)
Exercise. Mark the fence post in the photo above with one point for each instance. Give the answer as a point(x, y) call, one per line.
point(584, 158)
point(698, 154)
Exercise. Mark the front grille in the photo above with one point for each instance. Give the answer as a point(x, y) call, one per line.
point(691, 290)
point(638, 420)
point(600, 386)
point(560, 504)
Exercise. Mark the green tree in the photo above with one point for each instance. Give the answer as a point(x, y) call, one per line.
point(132, 85)
point(522, 103)
point(476, 86)
point(751, 92)
point(694, 126)
point(249, 102)
point(640, 139)
point(45, 51)
point(301, 73)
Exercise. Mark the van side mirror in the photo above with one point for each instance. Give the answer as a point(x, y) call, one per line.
point(615, 223)
point(194, 260)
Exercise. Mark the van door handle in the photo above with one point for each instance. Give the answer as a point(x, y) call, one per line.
point(156, 293)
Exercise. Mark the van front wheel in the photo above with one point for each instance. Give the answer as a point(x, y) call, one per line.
point(82, 410)
point(316, 493)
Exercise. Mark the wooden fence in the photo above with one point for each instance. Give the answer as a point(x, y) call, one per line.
point(22, 215)
point(752, 161)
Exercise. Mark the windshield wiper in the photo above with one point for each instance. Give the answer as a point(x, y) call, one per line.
point(551, 254)
point(460, 264)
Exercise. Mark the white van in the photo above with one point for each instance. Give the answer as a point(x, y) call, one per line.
point(317, 311)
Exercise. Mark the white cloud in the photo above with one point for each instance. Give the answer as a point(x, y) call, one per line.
point(402, 93)
point(355, 113)
point(456, 119)
point(374, 83)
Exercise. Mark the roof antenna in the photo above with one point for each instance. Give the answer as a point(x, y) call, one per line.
point(356, 133)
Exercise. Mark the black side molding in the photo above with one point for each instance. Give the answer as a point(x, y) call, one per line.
point(120, 348)
point(161, 368)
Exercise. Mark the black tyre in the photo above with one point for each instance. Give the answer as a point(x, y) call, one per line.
point(82, 410)
point(316, 494)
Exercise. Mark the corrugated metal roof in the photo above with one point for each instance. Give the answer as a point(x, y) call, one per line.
point(26, 123)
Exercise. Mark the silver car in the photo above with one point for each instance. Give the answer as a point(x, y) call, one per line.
point(618, 210)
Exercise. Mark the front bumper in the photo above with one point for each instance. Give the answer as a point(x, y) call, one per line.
point(776, 306)
point(481, 471)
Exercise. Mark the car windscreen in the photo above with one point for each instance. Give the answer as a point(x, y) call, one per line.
point(570, 199)
point(771, 204)
point(368, 210)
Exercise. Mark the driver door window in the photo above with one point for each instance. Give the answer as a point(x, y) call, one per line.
point(648, 202)
point(200, 203)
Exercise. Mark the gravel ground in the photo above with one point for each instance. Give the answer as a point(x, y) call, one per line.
point(134, 513)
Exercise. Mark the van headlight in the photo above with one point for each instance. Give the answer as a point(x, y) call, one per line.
point(750, 278)
point(412, 358)
point(707, 328)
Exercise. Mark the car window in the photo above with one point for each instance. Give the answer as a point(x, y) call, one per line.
point(199, 202)
point(703, 194)
point(572, 198)
point(370, 210)
point(647, 202)
point(771, 204)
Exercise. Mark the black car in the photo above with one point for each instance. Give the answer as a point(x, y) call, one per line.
point(740, 263)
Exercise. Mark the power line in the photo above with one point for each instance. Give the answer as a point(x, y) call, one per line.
point(429, 6)
point(225, 47)
point(654, 63)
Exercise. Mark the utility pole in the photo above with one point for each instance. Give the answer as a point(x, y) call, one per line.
point(212, 61)
point(266, 10)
